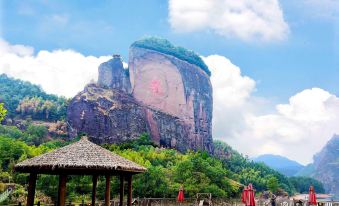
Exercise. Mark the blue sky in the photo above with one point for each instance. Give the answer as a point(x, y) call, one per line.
point(307, 58)
point(276, 62)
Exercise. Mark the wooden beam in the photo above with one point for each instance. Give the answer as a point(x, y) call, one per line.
point(62, 190)
point(129, 194)
point(70, 171)
point(31, 189)
point(121, 202)
point(107, 191)
point(94, 188)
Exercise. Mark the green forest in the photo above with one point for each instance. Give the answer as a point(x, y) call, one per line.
point(23, 99)
point(167, 169)
point(222, 174)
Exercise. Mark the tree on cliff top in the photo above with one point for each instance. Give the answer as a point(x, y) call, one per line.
point(166, 47)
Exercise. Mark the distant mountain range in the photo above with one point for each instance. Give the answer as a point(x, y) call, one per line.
point(325, 167)
point(281, 164)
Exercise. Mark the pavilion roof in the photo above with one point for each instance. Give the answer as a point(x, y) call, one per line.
point(82, 156)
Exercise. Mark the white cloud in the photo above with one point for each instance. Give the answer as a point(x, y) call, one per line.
point(125, 65)
point(300, 128)
point(20, 50)
point(226, 77)
point(231, 93)
point(297, 129)
point(62, 72)
point(244, 19)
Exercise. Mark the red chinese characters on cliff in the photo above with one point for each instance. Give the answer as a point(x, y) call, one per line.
point(155, 87)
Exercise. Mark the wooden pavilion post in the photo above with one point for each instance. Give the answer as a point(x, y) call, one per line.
point(94, 188)
point(129, 194)
point(121, 203)
point(62, 190)
point(107, 191)
point(31, 189)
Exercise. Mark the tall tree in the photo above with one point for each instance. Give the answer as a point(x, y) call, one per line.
point(3, 111)
point(273, 184)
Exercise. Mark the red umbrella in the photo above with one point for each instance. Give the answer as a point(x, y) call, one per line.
point(250, 197)
point(312, 199)
point(181, 194)
point(244, 195)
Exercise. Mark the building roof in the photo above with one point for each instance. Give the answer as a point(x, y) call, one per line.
point(305, 196)
point(81, 157)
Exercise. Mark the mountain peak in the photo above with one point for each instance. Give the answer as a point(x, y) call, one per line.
point(280, 163)
point(326, 165)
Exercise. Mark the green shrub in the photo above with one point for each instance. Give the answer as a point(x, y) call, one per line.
point(302, 184)
point(3, 112)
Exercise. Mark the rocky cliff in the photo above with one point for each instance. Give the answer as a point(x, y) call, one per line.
point(166, 92)
point(326, 166)
point(113, 75)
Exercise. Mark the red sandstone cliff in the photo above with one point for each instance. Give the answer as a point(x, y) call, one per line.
point(161, 94)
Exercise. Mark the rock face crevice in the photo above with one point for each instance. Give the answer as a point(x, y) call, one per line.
point(113, 75)
point(162, 95)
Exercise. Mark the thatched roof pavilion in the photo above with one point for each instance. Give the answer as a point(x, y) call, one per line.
point(80, 158)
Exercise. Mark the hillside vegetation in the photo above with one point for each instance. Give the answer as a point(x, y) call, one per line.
point(167, 169)
point(222, 174)
point(23, 99)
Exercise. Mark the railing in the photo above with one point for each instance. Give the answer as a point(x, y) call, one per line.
point(189, 202)
point(288, 202)
point(140, 202)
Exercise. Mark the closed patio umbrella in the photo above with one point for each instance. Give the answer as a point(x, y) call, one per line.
point(312, 199)
point(250, 199)
point(181, 194)
point(244, 195)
